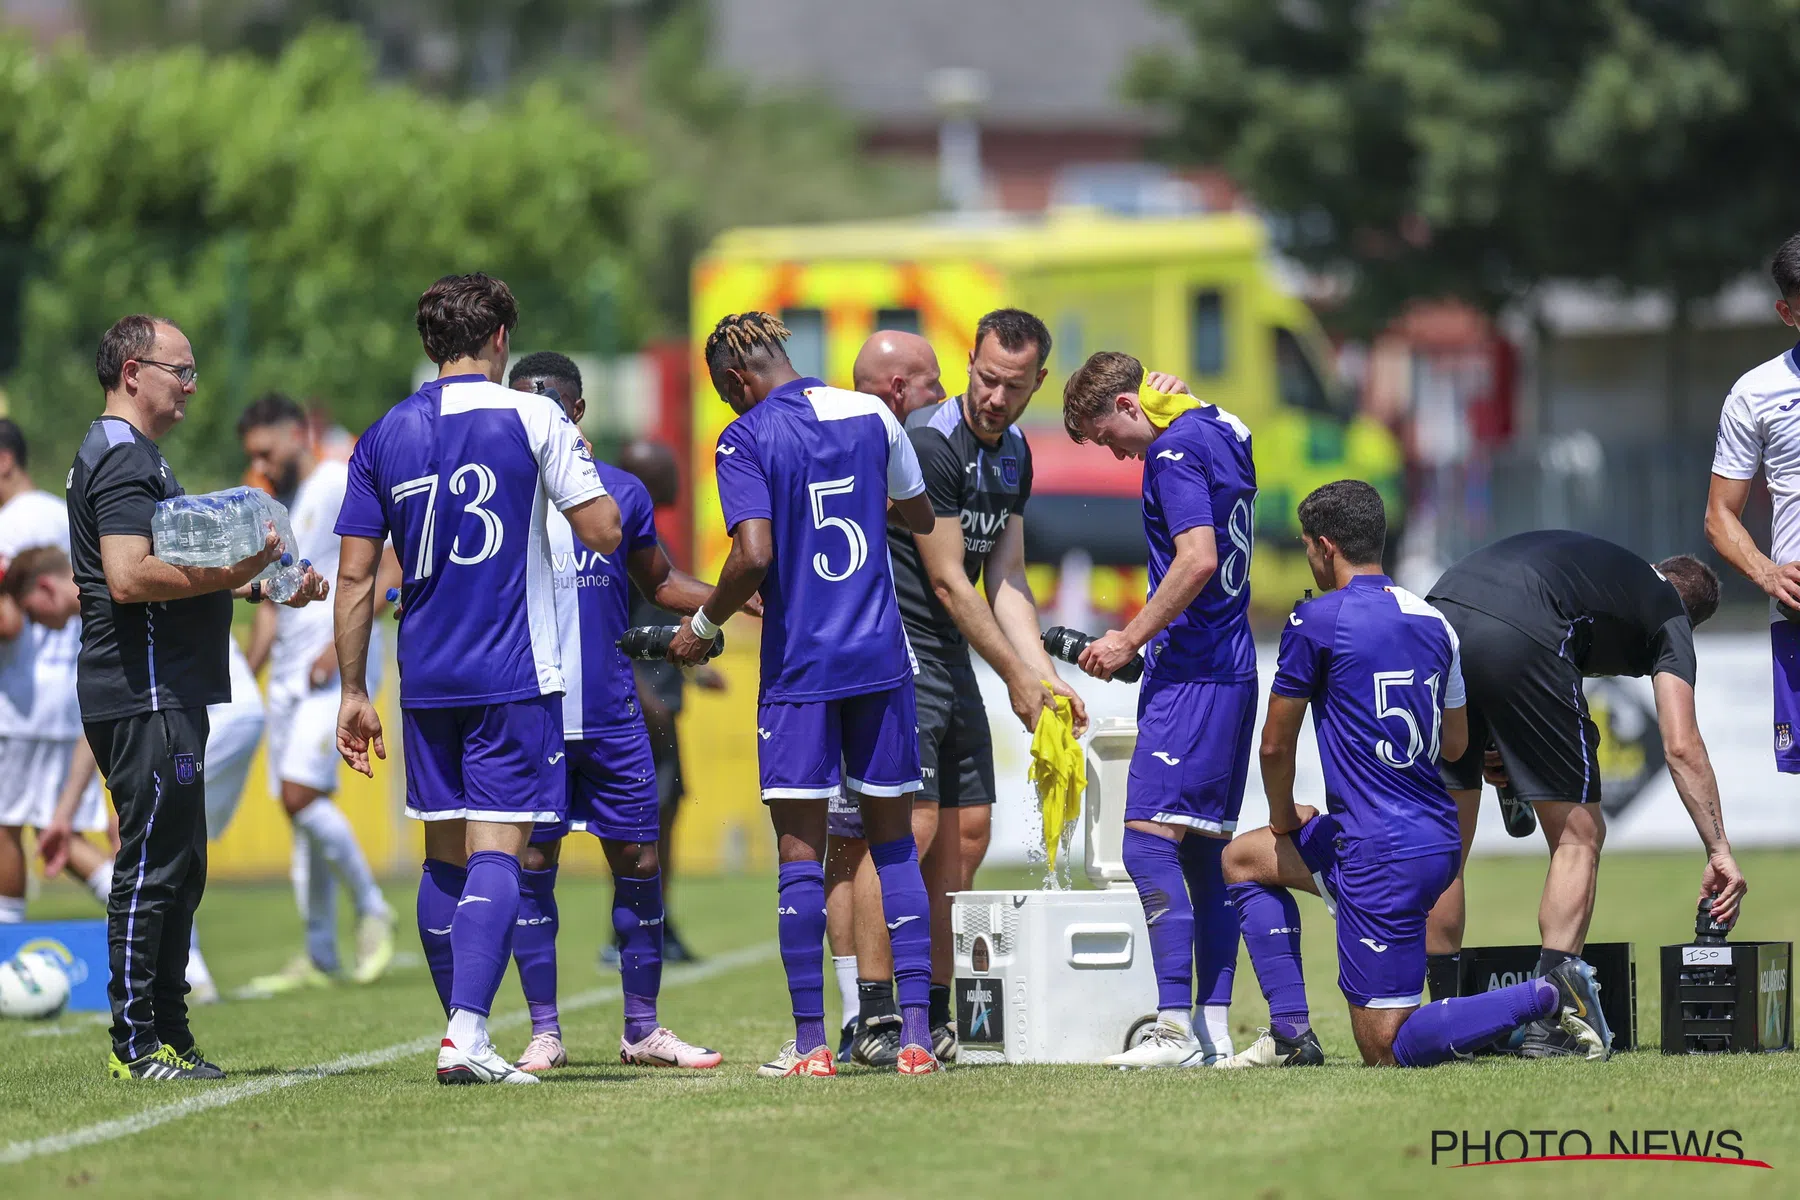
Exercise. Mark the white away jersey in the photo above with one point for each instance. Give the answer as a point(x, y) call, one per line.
point(1760, 428)
point(37, 668)
point(301, 634)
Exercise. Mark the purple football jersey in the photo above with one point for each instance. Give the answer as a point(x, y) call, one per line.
point(460, 474)
point(820, 465)
point(593, 606)
point(1379, 665)
point(1199, 472)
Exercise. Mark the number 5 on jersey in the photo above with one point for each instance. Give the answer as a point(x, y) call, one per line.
point(469, 476)
point(859, 542)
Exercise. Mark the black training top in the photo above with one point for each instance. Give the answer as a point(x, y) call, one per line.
point(1596, 603)
point(136, 658)
point(979, 485)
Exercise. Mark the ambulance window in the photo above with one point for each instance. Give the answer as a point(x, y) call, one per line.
point(806, 346)
point(906, 320)
point(1207, 334)
point(1299, 383)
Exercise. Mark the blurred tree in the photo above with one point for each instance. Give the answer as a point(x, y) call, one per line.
point(1478, 147)
point(287, 216)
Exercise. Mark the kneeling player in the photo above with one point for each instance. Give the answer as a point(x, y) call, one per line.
point(611, 769)
point(1381, 669)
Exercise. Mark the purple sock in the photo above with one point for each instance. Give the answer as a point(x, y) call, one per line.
point(800, 921)
point(908, 913)
point(440, 886)
point(1155, 867)
point(1215, 920)
point(638, 917)
point(534, 948)
point(1271, 923)
point(1443, 1029)
point(481, 935)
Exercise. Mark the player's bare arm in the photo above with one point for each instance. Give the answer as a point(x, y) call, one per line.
point(656, 577)
point(1725, 500)
point(752, 552)
point(359, 725)
point(134, 575)
point(53, 839)
point(941, 551)
point(1015, 608)
point(596, 522)
point(1196, 559)
point(1280, 741)
point(915, 512)
point(1453, 734)
point(1691, 769)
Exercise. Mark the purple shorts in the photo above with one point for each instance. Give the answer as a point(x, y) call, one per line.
point(1380, 908)
point(1193, 753)
point(843, 819)
point(874, 737)
point(612, 788)
point(485, 762)
point(1784, 642)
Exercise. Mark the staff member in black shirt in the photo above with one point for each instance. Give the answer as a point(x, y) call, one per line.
point(153, 656)
point(1534, 614)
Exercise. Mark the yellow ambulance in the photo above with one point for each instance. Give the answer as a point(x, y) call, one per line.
point(1197, 296)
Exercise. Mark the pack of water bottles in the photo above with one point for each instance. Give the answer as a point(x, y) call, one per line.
point(222, 529)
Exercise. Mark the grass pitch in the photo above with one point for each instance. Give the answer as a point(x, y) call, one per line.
point(332, 1091)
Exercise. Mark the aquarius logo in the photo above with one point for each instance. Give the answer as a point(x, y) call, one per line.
point(1774, 1015)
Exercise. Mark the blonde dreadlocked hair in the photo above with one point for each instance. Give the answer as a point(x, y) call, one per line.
point(737, 339)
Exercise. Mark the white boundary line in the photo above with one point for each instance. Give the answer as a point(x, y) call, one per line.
point(150, 1118)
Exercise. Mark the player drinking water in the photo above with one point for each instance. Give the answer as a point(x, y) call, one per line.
point(1379, 668)
point(611, 775)
point(805, 475)
point(461, 474)
point(1197, 703)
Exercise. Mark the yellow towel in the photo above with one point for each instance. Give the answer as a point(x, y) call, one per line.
point(1059, 772)
point(1163, 407)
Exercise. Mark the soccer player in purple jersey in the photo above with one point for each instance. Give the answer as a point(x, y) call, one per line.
point(1380, 669)
point(805, 476)
point(1197, 703)
point(611, 771)
point(461, 475)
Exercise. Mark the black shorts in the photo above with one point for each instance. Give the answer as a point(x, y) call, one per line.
point(956, 749)
point(1526, 700)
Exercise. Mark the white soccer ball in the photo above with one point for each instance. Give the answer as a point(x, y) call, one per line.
point(33, 985)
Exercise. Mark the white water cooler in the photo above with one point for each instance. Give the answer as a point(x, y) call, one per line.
point(1062, 976)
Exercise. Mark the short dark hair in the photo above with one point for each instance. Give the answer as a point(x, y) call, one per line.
point(1351, 514)
point(28, 565)
point(1786, 268)
point(129, 338)
point(459, 313)
point(270, 408)
point(1090, 391)
point(1697, 583)
point(548, 364)
point(1016, 329)
point(743, 338)
point(12, 441)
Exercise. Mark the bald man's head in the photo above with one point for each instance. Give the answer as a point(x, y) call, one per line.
point(901, 368)
point(655, 467)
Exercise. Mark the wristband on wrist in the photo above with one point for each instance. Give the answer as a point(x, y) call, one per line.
point(256, 596)
point(703, 629)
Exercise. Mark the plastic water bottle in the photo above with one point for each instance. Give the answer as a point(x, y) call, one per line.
point(222, 529)
point(1708, 932)
point(651, 642)
point(1067, 644)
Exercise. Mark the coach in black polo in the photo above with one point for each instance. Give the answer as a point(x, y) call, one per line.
point(153, 656)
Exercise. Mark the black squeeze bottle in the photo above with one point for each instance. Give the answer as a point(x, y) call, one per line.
point(651, 642)
point(1067, 644)
point(1708, 932)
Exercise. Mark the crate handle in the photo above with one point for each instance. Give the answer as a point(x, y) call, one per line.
point(1099, 944)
